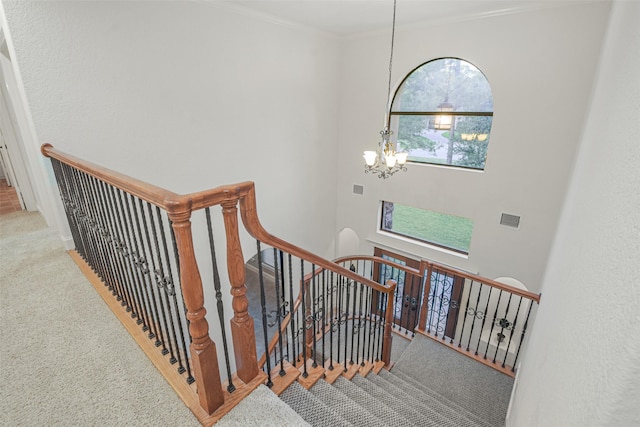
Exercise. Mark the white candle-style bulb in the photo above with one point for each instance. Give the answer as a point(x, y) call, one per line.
point(370, 157)
point(402, 158)
point(390, 161)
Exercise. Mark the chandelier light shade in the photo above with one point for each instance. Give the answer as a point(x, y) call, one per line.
point(386, 161)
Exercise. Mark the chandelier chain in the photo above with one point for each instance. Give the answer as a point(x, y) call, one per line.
point(393, 37)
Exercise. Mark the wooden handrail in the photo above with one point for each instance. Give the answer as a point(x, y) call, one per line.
point(252, 224)
point(426, 264)
point(380, 260)
point(165, 199)
point(525, 294)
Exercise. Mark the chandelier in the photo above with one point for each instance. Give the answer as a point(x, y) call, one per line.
point(386, 161)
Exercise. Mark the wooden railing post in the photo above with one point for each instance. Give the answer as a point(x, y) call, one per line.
point(204, 358)
point(388, 323)
point(242, 332)
point(424, 310)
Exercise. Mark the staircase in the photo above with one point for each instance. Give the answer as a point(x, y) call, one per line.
point(415, 392)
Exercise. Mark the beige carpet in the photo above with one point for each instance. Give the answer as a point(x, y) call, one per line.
point(65, 360)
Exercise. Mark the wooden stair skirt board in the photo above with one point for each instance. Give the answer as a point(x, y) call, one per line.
point(293, 373)
point(187, 393)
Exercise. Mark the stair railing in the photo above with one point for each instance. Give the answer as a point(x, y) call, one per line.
point(408, 295)
point(479, 317)
point(137, 240)
point(482, 318)
point(335, 323)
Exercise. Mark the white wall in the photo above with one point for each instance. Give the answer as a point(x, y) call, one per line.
point(188, 96)
point(583, 361)
point(540, 65)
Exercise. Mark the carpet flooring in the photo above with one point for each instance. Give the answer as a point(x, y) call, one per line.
point(430, 385)
point(65, 360)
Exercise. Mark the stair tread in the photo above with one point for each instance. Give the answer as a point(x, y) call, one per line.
point(349, 409)
point(380, 410)
point(412, 386)
point(399, 405)
point(310, 408)
point(426, 404)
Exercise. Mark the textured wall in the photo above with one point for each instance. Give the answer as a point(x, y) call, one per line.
point(582, 367)
point(540, 65)
point(189, 96)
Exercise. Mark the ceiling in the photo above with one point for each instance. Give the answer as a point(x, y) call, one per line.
point(351, 17)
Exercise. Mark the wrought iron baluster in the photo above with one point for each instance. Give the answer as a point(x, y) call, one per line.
point(280, 310)
point(293, 316)
point(475, 313)
point(263, 304)
point(115, 246)
point(314, 313)
point(493, 324)
point(305, 374)
point(512, 329)
point(455, 304)
point(122, 250)
point(284, 301)
point(338, 316)
point(85, 219)
point(433, 293)
point(105, 239)
point(331, 318)
point(378, 340)
point(367, 312)
point(347, 285)
point(484, 318)
point(524, 330)
point(360, 328)
point(93, 224)
point(161, 280)
point(353, 319)
point(143, 264)
point(77, 212)
point(502, 323)
point(464, 321)
point(441, 298)
point(64, 196)
point(169, 288)
point(134, 260)
point(323, 324)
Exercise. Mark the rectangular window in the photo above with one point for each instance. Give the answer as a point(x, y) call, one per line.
point(447, 231)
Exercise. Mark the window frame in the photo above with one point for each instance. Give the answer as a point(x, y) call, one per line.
point(415, 239)
point(393, 113)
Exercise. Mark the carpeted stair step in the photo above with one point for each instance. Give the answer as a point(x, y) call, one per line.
point(349, 409)
point(381, 410)
point(479, 388)
point(447, 413)
point(408, 408)
point(310, 408)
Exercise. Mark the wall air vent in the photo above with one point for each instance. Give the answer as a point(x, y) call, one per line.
point(358, 189)
point(510, 220)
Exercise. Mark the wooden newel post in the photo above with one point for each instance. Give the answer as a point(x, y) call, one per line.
point(204, 357)
point(242, 332)
point(388, 323)
point(424, 310)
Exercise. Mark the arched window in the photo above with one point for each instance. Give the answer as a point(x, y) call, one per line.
point(442, 113)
